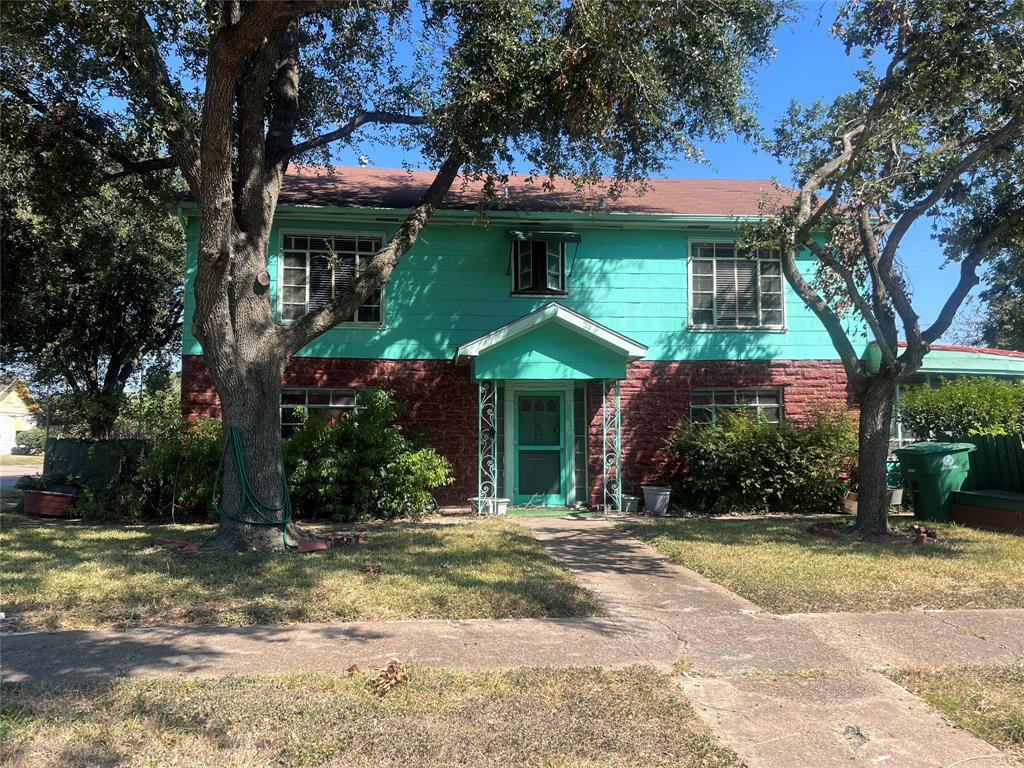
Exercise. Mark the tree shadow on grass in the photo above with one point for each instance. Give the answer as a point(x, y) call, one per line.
point(122, 577)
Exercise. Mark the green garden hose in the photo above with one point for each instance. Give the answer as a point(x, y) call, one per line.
point(252, 510)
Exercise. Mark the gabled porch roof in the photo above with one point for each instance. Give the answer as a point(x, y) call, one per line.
point(551, 342)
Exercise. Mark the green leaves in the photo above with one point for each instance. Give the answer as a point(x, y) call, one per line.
point(967, 406)
point(741, 465)
point(363, 465)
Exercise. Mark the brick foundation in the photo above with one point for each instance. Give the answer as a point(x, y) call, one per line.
point(655, 398)
point(443, 402)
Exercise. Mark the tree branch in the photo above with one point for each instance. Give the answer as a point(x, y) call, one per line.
point(828, 318)
point(129, 165)
point(345, 131)
point(969, 273)
point(851, 288)
point(984, 150)
point(149, 73)
point(379, 270)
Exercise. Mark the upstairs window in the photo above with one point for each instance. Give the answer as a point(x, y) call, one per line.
point(301, 405)
point(316, 268)
point(735, 289)
point(538, 267)
point(706, 405)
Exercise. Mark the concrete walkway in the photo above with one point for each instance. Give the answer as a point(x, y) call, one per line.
point(795, 690)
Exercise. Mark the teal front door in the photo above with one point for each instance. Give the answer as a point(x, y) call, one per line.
point(539, 449)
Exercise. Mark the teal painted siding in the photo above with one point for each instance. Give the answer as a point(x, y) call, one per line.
point(550, 352)
point(453, 286)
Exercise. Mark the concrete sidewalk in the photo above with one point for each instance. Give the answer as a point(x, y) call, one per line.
point(206, 651)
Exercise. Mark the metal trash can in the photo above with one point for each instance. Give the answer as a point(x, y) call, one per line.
point(933, 471)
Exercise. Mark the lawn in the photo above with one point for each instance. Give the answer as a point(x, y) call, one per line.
point(6, 460)
point(582, 717)
point(777, 564)
point(75, 576)
point(989, 702)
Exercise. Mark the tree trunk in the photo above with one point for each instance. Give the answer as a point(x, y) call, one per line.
point(250, 403)
point(245, 357)
point(876, 404)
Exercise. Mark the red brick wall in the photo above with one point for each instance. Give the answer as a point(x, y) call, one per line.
point(656, 397)
point(443, 402)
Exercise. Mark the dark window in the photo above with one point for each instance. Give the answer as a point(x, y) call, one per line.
point(299, 406)
point(316, 268)
point(539, 267)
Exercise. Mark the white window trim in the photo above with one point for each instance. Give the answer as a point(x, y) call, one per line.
point(306, 406)
point(755, 407)
point(300, 232)
point(690, 243)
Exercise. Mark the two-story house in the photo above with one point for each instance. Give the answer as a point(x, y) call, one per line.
point(548, 344)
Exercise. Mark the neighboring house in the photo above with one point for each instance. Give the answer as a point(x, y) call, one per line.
point(945, 362)
point(17, 410)
point(549, 346)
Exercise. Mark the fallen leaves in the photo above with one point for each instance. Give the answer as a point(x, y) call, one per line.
point(389, 678)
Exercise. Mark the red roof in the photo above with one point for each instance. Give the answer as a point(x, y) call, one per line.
point(958, 348)
point(355, 187)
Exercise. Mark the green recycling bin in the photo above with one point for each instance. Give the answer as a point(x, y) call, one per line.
point(933, 471)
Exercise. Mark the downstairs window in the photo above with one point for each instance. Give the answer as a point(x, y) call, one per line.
point(301, 405)
point(763, 404)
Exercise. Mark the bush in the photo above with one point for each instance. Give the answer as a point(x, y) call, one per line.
point(30, 442)
point(741, 465)
point(970, 406)
point(175, 476)
point(362, 465)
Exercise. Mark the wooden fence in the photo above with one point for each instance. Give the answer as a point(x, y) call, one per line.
point(997, 463)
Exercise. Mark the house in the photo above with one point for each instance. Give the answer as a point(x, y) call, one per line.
point(17, 410)
point(549, 344)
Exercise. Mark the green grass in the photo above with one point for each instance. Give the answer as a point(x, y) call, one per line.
point(580, 717)
point(6, 460)
point(75, 576)
point(989, 702)
point(775, 563)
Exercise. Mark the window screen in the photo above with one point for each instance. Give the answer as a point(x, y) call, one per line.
point(706, 405)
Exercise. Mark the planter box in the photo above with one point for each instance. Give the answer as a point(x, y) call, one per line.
point(488, 506)
point(49, 503)
point(895, 496)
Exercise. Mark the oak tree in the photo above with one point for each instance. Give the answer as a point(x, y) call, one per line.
point(236, 91)
point(934, 133)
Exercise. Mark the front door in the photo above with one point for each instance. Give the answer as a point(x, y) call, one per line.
point(539, 444)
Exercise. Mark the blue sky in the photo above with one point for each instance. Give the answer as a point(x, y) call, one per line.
point(809, 65)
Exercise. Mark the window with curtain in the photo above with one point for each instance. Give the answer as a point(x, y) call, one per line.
point(538, 267)
point(730, 288)
point(316, 268)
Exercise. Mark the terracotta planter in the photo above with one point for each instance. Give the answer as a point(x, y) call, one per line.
point(49, 503)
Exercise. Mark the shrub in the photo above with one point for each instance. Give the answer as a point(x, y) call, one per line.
point(742, 465)
point(970, 406)
point(30, 442)
point(175, 476)
point(362, 465)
